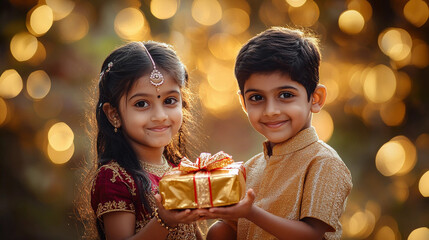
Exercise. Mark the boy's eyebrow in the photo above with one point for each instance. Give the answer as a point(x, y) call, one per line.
point(279, 88)
point(149, 95)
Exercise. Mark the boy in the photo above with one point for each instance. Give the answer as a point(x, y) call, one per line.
point(299, 185)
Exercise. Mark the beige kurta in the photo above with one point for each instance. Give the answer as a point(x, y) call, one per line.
point(302, 177)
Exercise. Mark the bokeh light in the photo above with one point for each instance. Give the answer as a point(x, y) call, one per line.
point(39, 56)
point(206, 12)
point(10, 84)
point(60, 8)
point(410, 154)
point(419, 234)
point(380, 84)
point(40, 20)
point(404, 85)
point(305, 15)
point(235, 20)
point(390, 158)
point(217, 103)
point(362, 6)
point(38, 84)
point(60, 157)
point(422, 141)
point(296, 3)
point(361, 224)
point(323, 124)
point(130, 24)
point(385, 233)
point(73, 28)
point(60, 136)
point(416, 12)
point(351, 22)
point(393, 112)
point(420, 54)
point(224, 46)
point(329, 77)
point(424, 184)
point(395, 43)
point(3, 111)
point(164, 9)
point(23, 46)
point(220, 78)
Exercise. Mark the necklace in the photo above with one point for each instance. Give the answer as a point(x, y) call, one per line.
point(156, 169)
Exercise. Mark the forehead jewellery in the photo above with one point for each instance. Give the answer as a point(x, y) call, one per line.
point(156, 77)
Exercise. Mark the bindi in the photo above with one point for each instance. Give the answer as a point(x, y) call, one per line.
point(159, 96)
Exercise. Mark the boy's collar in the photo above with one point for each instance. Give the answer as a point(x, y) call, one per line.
point(301, 140)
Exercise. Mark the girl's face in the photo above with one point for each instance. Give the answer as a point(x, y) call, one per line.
point(150, 119)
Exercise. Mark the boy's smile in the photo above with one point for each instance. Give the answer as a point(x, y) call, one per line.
point(277, 106)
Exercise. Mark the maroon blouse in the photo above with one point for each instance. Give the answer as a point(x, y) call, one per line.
point(114, 190)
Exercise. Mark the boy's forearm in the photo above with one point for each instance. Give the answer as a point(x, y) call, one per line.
point(282, 228)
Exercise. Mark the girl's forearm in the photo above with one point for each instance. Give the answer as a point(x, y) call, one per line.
point(282, 228)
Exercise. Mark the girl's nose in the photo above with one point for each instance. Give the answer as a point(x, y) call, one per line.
point(271, 108)
point(159, 114)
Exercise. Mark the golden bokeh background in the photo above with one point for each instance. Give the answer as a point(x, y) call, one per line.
point(375, 66)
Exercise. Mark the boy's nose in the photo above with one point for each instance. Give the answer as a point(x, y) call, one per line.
point(271, 108)
point(159, 114)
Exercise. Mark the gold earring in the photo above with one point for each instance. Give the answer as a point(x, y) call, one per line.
point(116, 129)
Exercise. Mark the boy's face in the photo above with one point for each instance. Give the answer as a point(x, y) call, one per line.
point(277, 106)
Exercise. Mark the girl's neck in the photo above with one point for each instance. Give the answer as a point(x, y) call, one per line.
point(152, 156)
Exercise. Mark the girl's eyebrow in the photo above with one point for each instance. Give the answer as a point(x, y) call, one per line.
point(279, 88)
point(151, 95)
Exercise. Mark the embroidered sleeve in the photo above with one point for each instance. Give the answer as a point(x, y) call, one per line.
point(327, 185)
point(111, 192)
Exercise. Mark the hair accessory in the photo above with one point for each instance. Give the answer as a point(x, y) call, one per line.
point(156, 77)
point(109, 66)
point(162, 223)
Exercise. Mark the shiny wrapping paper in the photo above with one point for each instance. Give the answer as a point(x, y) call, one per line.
point(211, 181)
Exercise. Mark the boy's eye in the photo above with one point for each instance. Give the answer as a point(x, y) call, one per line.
point(256, 98)
point(141, 104)
point(286, 95)
point(170, 101)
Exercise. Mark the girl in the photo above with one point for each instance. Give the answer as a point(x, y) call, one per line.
point(141, 107)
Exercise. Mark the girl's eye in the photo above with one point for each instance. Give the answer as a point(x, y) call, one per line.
point(286, 95)
point(170, 101)
point(256, 98)
point(141, 104)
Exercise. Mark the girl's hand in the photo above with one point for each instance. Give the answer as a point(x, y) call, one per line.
point(239, 210)
point(174, 217)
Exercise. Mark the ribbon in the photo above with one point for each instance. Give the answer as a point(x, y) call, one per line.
point(201, 170)
point(206, 162)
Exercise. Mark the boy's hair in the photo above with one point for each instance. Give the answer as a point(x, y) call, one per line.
point(288, 51)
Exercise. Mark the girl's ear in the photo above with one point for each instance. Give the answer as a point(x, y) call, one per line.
point(318, 98)
point(241, 99)
point(112, 115)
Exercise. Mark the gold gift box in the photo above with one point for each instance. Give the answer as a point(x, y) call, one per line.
point(215, 181)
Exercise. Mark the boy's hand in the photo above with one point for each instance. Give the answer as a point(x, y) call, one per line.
point(239, 210)
point(174, 217)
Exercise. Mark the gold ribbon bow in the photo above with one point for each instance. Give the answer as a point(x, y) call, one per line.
point(206, 162)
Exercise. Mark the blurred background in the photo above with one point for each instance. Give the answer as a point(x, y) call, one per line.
point(375, 66)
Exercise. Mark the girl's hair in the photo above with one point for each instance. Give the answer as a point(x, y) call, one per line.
point(119, 72)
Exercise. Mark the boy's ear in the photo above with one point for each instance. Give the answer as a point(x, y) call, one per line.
point(112, 115)
point(318, 98)
point(243, 104)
